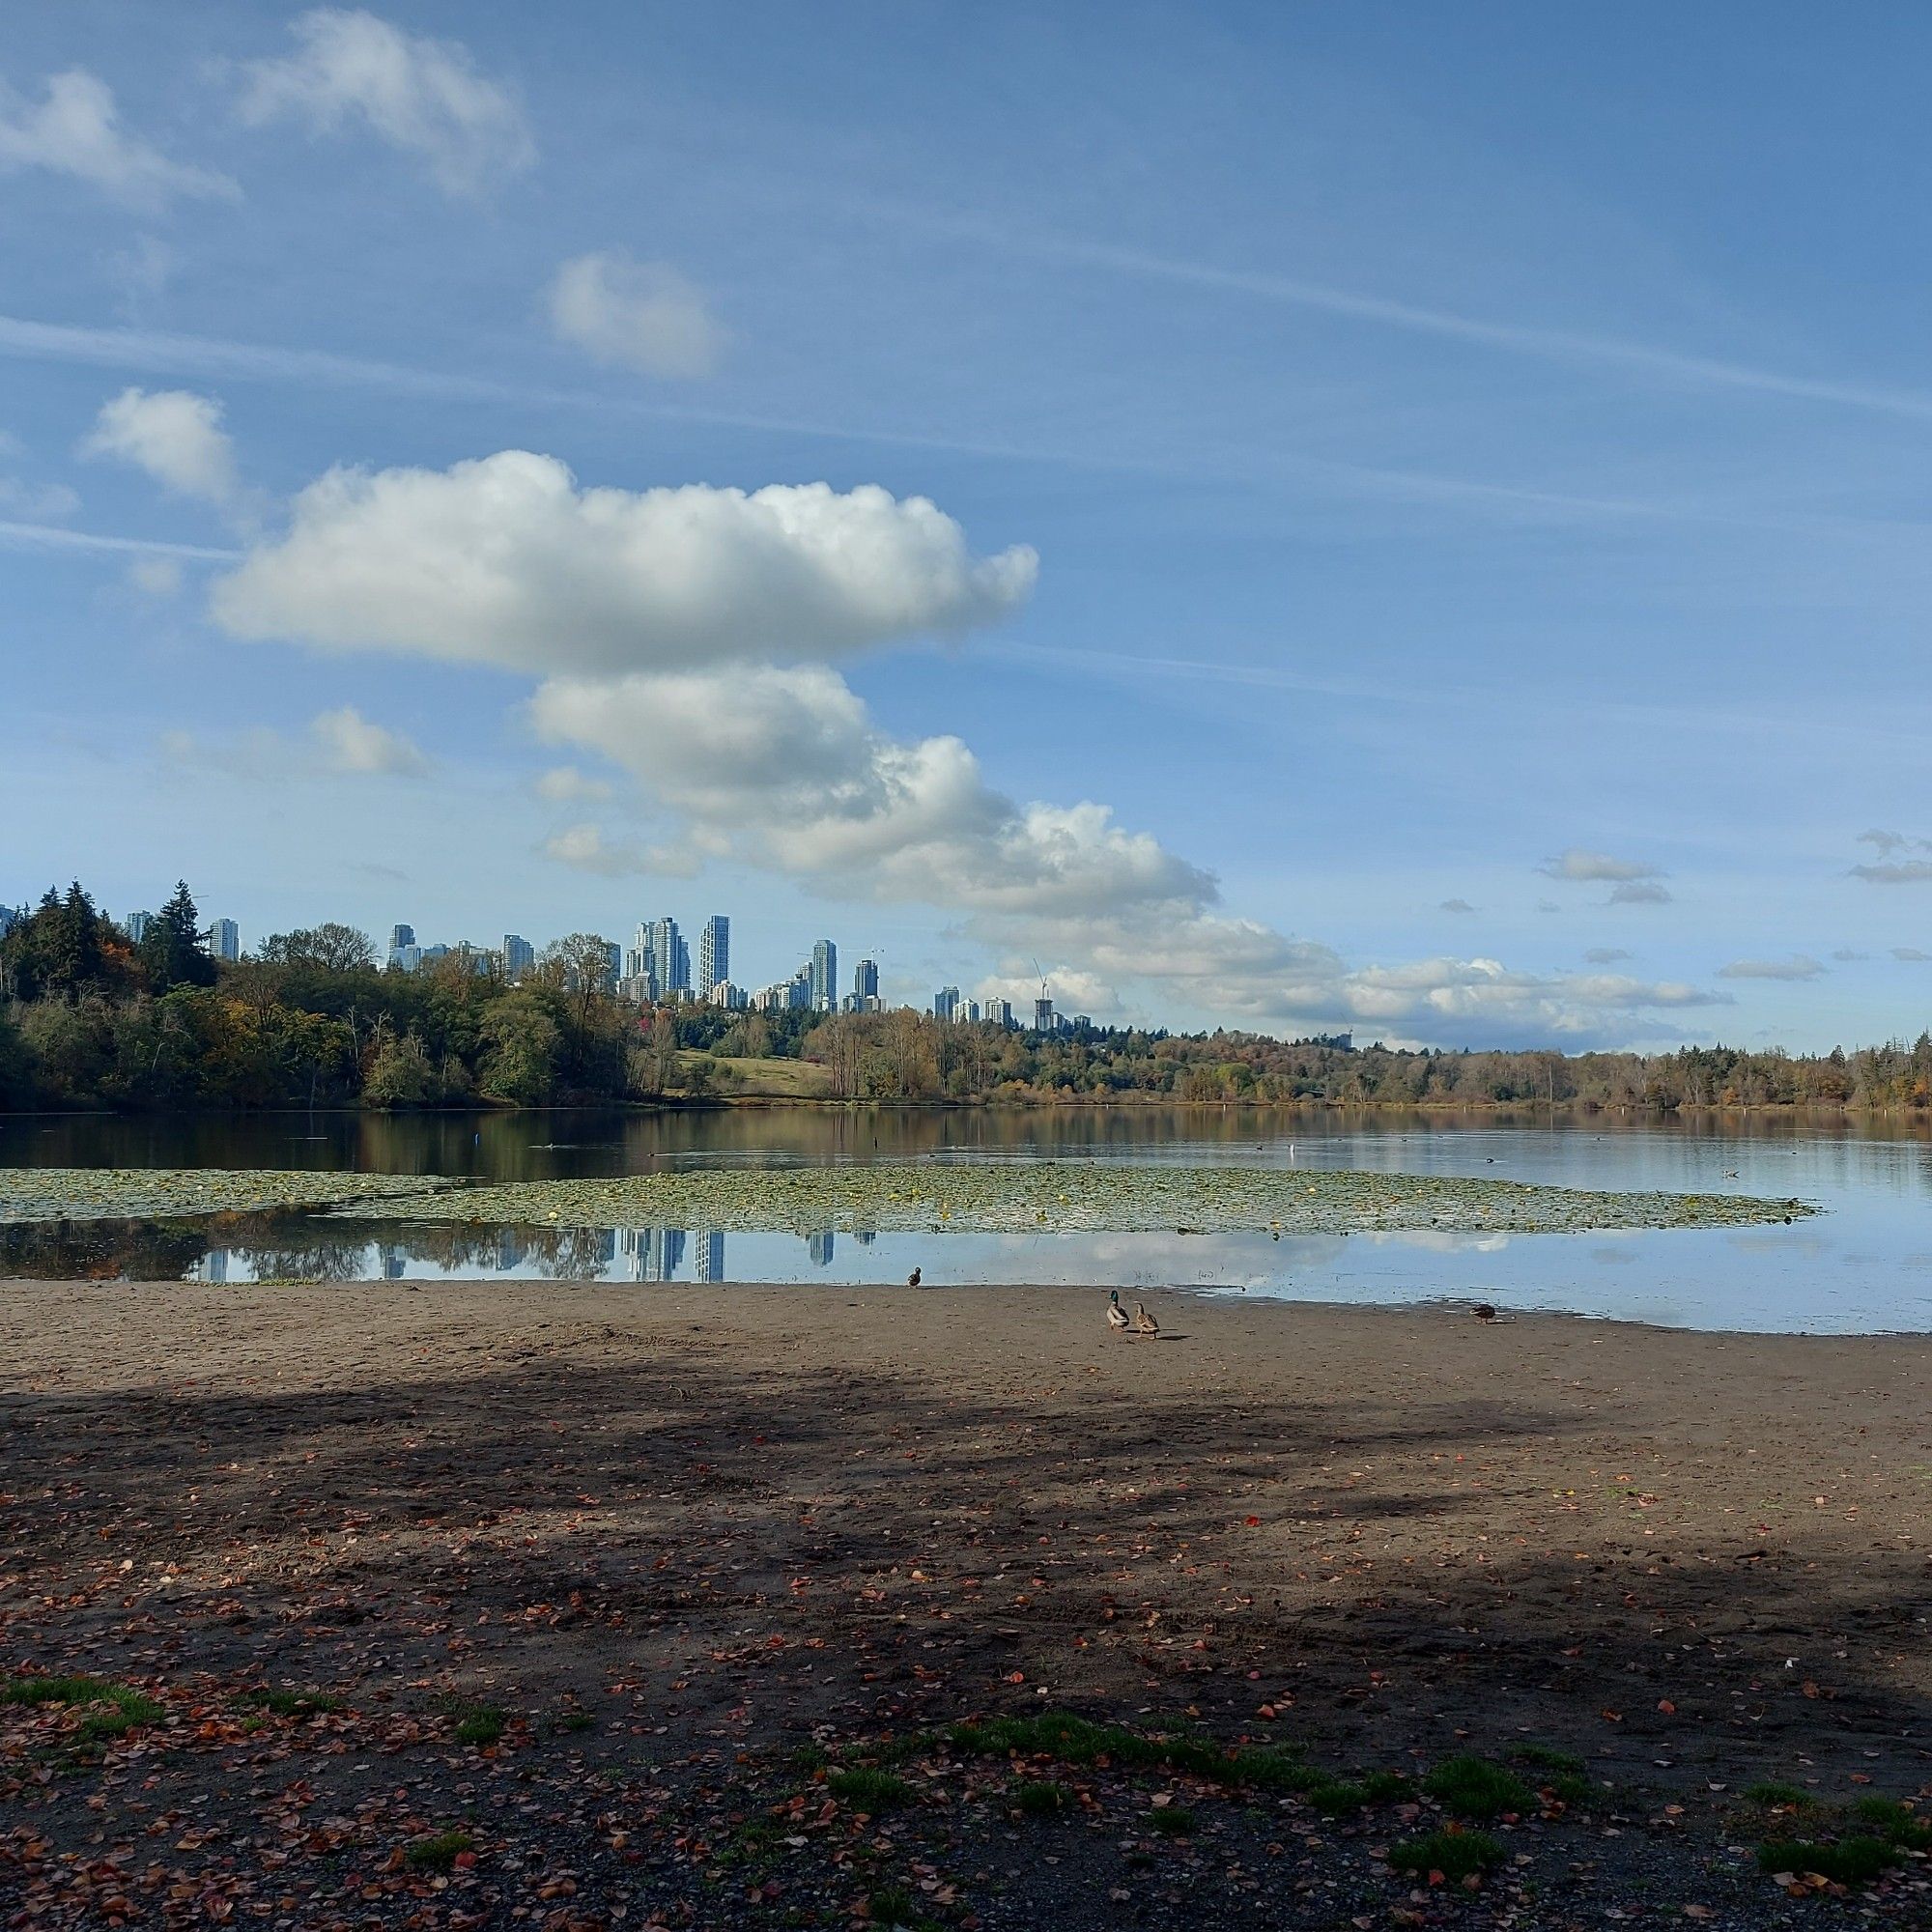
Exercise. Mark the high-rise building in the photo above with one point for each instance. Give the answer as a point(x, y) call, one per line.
point(824, 977)
point(670, 957)
point(401, 936)
point(138, 923)
point(224, 939)
point(518, 955)
point(711, 1256)
point(866, 984)
point(714, 954)
point(1042, 1015)
point(613, 965)
point(819, 1247)
point(999, 1012)
point(946, 1003)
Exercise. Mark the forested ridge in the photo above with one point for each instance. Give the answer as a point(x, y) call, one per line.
point(91, 1018)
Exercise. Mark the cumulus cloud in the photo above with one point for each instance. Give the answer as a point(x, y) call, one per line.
point(1456, 905)
point(504, 560)
point(1638, 891)
point(424, 97)
point(1798, 967)
point(173, 434)
point(76, 131)
point(1597, 866)
point(337, 744)
point(350, 744)
point(1604, 955)
point(565, 785)
point(1912, 954)
point(638, 315)
point(587, 849)
point(782, 767)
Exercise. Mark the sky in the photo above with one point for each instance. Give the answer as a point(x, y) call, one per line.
point(1389, 518)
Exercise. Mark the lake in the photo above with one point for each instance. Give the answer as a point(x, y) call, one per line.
point(1863, 1266)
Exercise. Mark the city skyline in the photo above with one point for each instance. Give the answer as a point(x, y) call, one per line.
point(1447, 598)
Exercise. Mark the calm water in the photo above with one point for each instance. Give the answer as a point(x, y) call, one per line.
point(1865, 1265)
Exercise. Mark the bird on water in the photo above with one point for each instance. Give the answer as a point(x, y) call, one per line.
point(1116, 1316)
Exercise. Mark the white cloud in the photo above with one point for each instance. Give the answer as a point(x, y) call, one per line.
point(422, 96)
point(586, 848)
point(783, 769)
point(76, 131)
point(22, 498)
point(175, 436)
point(1456, 905)
point(1798, 967)
point(1638, 891)
point(1913, 955)
point(350, 744)
point(641, 314)
point(1577, 864)
point(504, 561)
point(1605, 955)
point(565, 785)
point(1846, 954)
point(156, 576)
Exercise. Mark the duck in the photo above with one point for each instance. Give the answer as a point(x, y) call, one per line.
point(1484, 1311)
point(1144, 1322)
point(1116, 1316)
point(912, 1279)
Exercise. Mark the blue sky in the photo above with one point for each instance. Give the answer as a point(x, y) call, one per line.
point(1426, 531)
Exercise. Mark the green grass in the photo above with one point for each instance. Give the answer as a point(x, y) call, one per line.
point(1541, 1757)
point(293, 1703)
point(1073, 1739)
point(1772, 1793)
point(1456, 1855)
point(871, 1788)
point(1471, 1787)
point(1173, 1821)
point(1041, 1798)
point(476, 1724)
point(439, 1853)
point(571, 1720)
point(1895, 1823)
point(1847, 1861)
point(113, 1709)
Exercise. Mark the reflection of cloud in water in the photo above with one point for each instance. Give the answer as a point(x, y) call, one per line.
point(1437, 1240)
point(1778, 1241)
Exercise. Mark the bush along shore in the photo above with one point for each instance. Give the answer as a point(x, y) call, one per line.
point(91, 1018)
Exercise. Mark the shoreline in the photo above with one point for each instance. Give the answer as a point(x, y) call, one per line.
point(674, 1538)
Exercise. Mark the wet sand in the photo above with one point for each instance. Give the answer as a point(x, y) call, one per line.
point(753, 1515)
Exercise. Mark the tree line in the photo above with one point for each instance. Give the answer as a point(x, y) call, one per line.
point(89, 1017)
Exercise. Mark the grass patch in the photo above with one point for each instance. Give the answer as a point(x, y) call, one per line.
point(1472, 1787)
point(1073, 1739)
point(1172, 1821)
point(892, 1905)
point(1895, 1823)
point(476, 1724)
point(439, 1853)
point(292, 1703)
point(1849, 1861)
point(565, 1721)
point(868, 1786)
point(112, 1709)
point(1540, 1757)
point(810, 1759)
point(1041, 1798)
point(1456, 1855)
point(1773, 1795)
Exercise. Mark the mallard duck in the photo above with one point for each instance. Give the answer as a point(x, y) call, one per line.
point(1144, 1322)
point(912, 1279)
point(1484, 1311)
point(1116, 1316)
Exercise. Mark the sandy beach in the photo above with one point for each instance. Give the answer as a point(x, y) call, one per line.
point(699, 1547)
